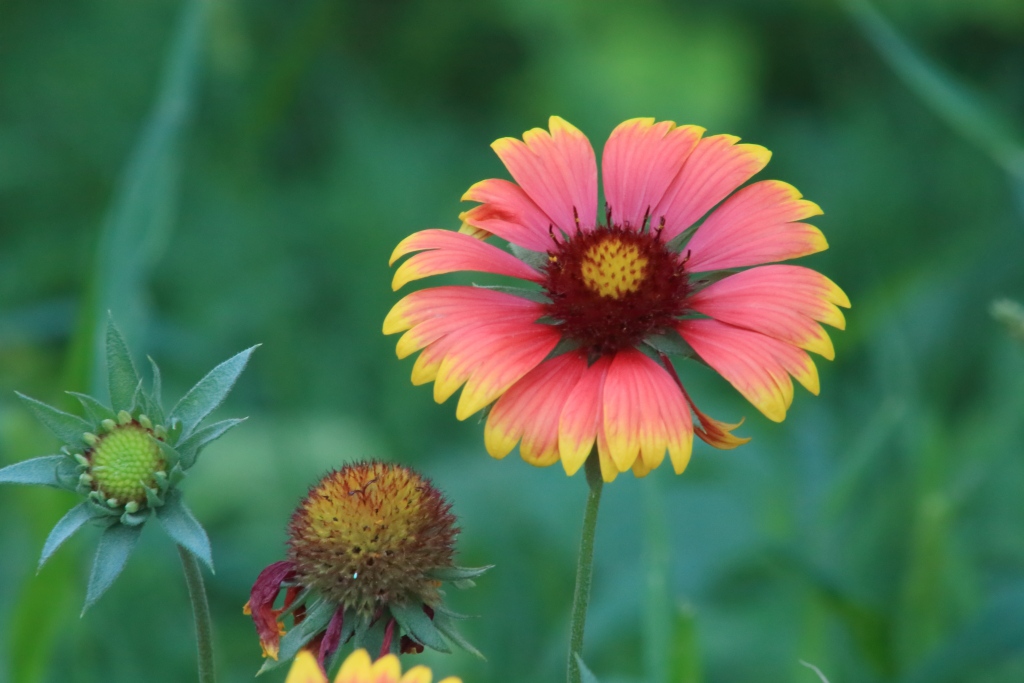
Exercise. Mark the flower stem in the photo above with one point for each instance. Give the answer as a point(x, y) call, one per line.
point(201, 611)
point(585, 566)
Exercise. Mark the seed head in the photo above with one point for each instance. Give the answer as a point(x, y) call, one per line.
point(123, 462)
point(368, 535)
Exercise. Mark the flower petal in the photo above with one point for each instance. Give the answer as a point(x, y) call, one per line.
point(756, 225)
point(355, 668)
point(261, 605)
point(387, 669)
point(759, 367)
point(445, 251)
point(645, 414)
point(332, 636)
point(429, 314)
point(531, 408)
point(715, 432)
point(508, 212)
point(784, 302)
point(640, 161)
point(488, 360)
point(558, 170)
point(579, 419)
point(418, 674)
point(715, 168)
point(305, 669)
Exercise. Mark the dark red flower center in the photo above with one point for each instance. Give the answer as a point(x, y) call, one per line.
point(612, 287)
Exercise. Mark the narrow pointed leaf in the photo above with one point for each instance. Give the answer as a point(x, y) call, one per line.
point(209, 392)
point(41, 471)
point(458, 573)
point(122, 377)
point(65, 426)
point(158, 404)
point(189, 448)
point(68, 525)
point(183, 528)
point(68, 472)
point(95, 410)
point(586, 675)
point(316, 621)
point(446, 626)
point(115, 547)
point(417, 624)
point(450, 613)
point(171, 454)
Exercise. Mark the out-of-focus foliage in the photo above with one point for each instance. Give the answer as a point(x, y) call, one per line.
point(876, 534)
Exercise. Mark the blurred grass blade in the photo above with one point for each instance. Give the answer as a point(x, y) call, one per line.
point(816, 670)
point(138, 223)
point(658, 603)
point(130, 241)
point(868, 626)
point(997, 634)
point(962, 109)
point(685, 663)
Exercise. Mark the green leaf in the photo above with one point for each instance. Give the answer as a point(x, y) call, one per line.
point(359, 632)
point(417, 624)
point(464, 584)
point(137, 519)
point(95, 410)
point(209, 392)
point(189, 448)
point(317, 618)
point(537, 259)
point(671, 343)
point(586, 675)
point(68, 473)
point(68, 525)
point(171, 454)
point(458, 573)
point(115, 547)
point(41, 471)
point(183, 528)
point(65, 426)
point(445, 624)
point(371, 638)
point(522, 292)
point(443, 609)
point(156, 406)
point(122, 377)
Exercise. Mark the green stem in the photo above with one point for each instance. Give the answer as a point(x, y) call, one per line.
point(201, 610)
point(585, 566)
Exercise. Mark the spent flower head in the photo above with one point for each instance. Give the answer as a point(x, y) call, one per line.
point(368, 550)
point(578, 357)
point(126, 460)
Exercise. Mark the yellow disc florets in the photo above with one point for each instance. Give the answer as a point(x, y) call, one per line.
point(124, 461)
point(613, 268)
point(370, 534)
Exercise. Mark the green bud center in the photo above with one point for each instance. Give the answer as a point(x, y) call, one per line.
point(124, 462)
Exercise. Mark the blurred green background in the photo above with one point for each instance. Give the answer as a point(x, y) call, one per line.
point(225, 173)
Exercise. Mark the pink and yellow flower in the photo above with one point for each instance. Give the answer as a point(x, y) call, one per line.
point(358, 669)
point(579, 359)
